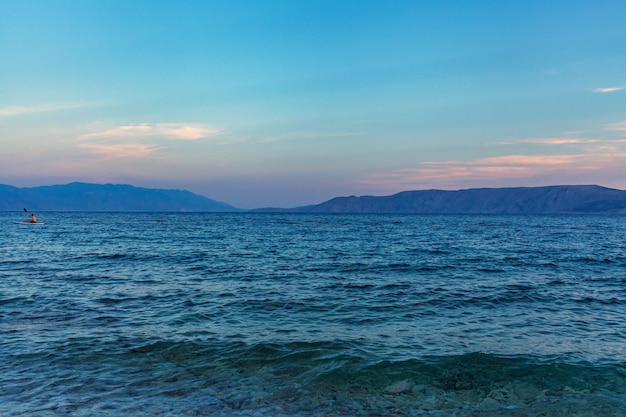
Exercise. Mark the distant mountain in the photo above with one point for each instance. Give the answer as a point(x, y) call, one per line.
point(104, 197)
point(521, 200)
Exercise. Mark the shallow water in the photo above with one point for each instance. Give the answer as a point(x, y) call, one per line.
point(296, 314)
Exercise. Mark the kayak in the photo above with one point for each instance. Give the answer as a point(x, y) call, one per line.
point(29, 222)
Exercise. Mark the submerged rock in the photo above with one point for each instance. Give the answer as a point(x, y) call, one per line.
point(399, 387)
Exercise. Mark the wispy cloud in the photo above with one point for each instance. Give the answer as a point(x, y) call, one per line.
point(608, 89)
point(120, 150)
point(503, 170)
point(141, 140)
point(559, 141)
point(599, 141)
point(171, 131)
point(574, 156)
point(522, 160)
point(621, 127)
point(13, 111)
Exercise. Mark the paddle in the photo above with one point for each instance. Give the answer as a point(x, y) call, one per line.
point(28, 214)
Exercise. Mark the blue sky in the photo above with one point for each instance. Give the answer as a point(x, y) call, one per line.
point(287, 103)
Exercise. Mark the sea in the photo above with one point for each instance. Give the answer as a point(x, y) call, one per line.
point(280, 314)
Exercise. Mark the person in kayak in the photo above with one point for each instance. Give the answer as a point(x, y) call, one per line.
point(33, 218)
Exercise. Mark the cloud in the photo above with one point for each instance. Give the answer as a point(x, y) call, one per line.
point(559, 141)
point(120, 150)
point(141, 140)
point(620, 127)
point(607, 89)
point(523, 160)
point(501, 171)
point(171, 131)
point(568, 140)
point(13, 111)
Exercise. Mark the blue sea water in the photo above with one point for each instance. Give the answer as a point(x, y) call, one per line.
point(106, 314)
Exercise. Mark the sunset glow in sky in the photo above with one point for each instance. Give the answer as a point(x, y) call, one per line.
point(287, 103)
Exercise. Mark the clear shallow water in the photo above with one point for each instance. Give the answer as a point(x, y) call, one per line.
point(293, 314)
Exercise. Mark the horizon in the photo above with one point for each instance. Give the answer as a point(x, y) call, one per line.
point(324, 201)
point(288, 104)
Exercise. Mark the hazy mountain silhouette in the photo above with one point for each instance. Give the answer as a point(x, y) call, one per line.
point(519, 200)
point(104, 197)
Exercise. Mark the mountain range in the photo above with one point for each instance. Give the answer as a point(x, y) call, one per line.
point(518, 200)
point(104, 197)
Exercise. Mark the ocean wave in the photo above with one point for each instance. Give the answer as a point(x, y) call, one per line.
point(297, 378)
point(313, 315)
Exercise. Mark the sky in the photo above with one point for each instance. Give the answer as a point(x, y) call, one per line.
point(265, 103)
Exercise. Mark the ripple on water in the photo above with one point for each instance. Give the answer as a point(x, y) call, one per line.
point(252, 314)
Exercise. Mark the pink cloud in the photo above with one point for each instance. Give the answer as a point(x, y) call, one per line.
point(120, 150)
point(560, 141)
point(133, 141)
point(170, 131)
point(502, 171)
point(525, 160)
